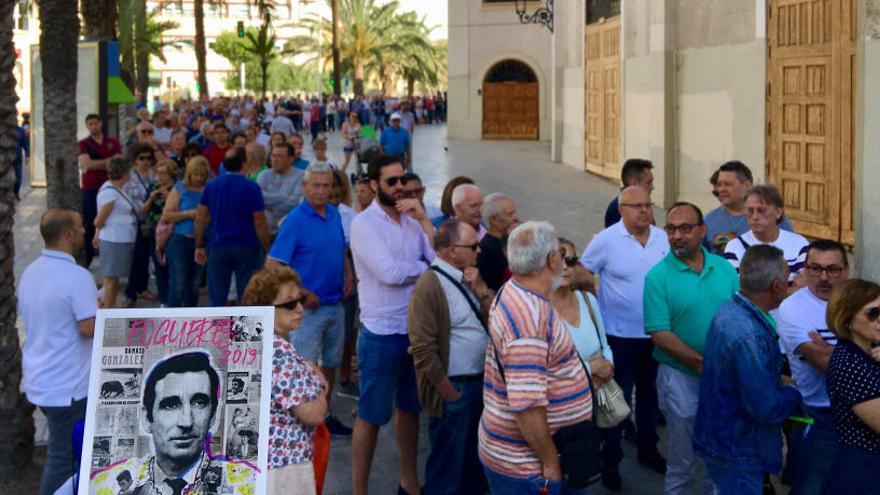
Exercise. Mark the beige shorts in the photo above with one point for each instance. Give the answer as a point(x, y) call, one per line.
point(294, 478)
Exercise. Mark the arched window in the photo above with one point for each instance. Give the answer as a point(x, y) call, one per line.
point(597, 9)
point(511, 71)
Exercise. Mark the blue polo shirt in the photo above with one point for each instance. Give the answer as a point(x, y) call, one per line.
point(678, 299)
point(394, 142)
point(314, 246)
point(232, 200)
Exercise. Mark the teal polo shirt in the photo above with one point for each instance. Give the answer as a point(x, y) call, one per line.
point(679, 299)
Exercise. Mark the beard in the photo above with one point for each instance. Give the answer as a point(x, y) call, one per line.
point(386, 199)
point(681, 252)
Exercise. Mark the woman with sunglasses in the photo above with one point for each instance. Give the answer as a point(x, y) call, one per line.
point(853, 380)
point(139, 189)
point(299, 392)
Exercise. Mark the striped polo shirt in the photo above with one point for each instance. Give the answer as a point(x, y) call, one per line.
point(793, 246)
point(541, 369)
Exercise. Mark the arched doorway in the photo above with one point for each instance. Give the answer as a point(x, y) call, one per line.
point(510, 101)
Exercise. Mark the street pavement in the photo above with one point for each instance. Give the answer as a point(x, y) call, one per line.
point(572, 200)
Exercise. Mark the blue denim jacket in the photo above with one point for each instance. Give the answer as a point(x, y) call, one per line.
point(742, 402)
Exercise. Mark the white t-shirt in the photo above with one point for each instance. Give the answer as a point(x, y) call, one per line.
point(121, 225)
point(800, 314)
point(622, 263)
point(793, 246)
point(54, 294)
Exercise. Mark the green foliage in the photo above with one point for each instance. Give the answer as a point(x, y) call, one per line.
point(281, 75)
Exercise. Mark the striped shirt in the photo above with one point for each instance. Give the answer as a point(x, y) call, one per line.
point(541, 369)
point(793, 246)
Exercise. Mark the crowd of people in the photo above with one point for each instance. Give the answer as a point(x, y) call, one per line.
point(744, 338)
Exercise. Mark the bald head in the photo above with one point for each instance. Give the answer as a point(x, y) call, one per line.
point(62, 229)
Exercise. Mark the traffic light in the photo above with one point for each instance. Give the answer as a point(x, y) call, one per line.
point(240, 26)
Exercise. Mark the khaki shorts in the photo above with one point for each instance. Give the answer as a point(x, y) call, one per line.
point(294, 478)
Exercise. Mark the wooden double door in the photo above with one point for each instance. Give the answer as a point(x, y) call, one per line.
point(602, 117)
point(510, 110)
point(810, 124)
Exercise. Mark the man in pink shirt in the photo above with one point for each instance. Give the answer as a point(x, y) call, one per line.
point(390, 251)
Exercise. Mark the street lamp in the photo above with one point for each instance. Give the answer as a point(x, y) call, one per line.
point(542, 15)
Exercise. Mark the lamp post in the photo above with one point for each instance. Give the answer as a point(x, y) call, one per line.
point(541, 15)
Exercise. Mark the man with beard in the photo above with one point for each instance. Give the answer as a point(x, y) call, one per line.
point(622, 255)
point(809, 343)
point(681, 295)
point(390, 252)
point(179, 411)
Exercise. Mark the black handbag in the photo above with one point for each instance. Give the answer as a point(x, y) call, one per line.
point(578, 445)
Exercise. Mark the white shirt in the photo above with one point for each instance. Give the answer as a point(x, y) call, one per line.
point(54, 294)
point(622, 263)
point(800, 314)
point(162, 135)
point(347, 213)
point(121, 225)
point(793, 246)
point(283, 125)
point(388, 257)
point(467, 338)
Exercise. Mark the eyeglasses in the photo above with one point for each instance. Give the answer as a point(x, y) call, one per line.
point(145, 131)
point(392, 181)
point(472, 247)
point(833, 271)
point(684, 228)
point(293, 303)
point(570, 261)
point(638, 206)
point(873, 314)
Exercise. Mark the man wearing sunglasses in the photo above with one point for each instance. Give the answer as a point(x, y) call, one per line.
point(622, 255)
point(809, 343)
point(390, 250)
point(681, 295)
point(448, 344)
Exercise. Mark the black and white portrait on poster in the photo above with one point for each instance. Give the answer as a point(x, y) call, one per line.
point(175, 402)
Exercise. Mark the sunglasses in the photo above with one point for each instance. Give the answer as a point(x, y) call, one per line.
point(293, 303)
point(392, 181)
point(145, 131)
point(570, 261)
point(472, 247)
point(873, 314)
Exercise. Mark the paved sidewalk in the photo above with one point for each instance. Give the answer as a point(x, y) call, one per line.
point(572, 200)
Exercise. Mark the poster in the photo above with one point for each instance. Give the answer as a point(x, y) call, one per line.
point(177, 402)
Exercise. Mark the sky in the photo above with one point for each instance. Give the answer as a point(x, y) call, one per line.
point(434, 10)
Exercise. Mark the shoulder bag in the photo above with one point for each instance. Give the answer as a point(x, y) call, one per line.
point(578, 445)
point(612, 407)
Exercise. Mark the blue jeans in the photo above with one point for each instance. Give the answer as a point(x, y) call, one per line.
point(321, 334)
point(386, 373)
point(184, 274)
point(454, 463)
point(815, 445)
point(735, 482)
point(60, 459)
point(500, 484)
point(633, 365)
point(223, 261)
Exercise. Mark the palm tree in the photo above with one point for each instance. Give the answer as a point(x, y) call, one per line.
point(16, 426)
point(59, 29)
point(409, 54)
point(262, 46)
point(337, 65)
point(99, 19)
point(199, 18)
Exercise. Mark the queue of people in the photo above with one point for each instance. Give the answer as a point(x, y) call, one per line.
point(727, 328)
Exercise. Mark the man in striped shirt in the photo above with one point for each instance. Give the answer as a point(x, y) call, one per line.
point(542, 385)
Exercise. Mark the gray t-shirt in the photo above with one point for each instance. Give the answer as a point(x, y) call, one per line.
point(280, 193)
point(722, 227)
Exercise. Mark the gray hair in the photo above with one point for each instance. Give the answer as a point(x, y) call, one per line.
point(529, 245)
point(492, 204)
point(317, 168)
point(117, 168)
point(761, 265)
point(460, 191)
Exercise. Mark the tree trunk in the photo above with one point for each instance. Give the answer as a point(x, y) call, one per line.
point(99, 19)
point(264, 78)
point(386, 80)
point(141, 50)
point(410, 85)
point(337, 75)
point(16, 426)
point(359, 79)
point(59, 29)
point(201, 52)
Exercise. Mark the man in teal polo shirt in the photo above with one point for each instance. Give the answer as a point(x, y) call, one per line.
point(682, 293)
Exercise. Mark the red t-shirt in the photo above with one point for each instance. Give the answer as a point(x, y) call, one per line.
point(215, 155)
point(107, 148)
